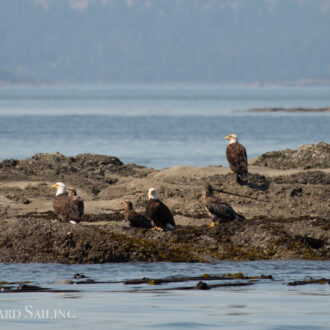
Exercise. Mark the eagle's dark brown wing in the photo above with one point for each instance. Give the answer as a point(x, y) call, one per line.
point(237, 159)
point(221, 210)
point(68, 207)
point(80, 205)
point(138, 220)
point(160, 214)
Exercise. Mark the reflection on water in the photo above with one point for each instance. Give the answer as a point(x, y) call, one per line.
point(267, 304)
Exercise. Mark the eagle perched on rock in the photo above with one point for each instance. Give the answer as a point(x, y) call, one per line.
point(159, 212)
point(69, 207)
point(135, 219)
point(218, 209)
point(237, 158)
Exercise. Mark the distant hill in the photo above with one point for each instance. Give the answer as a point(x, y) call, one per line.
point(164, 40)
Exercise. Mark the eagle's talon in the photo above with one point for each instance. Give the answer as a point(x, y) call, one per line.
point(157, 228)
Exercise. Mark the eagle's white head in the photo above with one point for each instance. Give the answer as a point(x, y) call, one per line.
point(152, 193)
point(60, 188)
point(232, 138)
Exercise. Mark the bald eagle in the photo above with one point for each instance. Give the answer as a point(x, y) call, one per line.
point(217, 208)
point(159, 212)
point(135, 219)
point(71, 191)
point(237, 158)
point(68, 207)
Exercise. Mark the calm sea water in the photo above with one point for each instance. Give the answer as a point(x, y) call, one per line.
point(157, 126)
point(265, 305)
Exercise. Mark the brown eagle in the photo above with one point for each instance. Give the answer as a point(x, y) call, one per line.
point(135, 219)
point(217, 208)
point(237, 158)
point(67, 206)
point(71, 191)
point(159, 212)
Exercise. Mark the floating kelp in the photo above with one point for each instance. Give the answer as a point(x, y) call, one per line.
point(311, 281)
point(204, 286)
point(146, 280)
point(22, 287)
point(228, 276)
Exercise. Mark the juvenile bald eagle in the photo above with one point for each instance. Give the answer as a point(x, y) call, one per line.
point(68, 207)
point(135, 219)
point(71, 191)
point(237, 158)
point(159, 212)
point(217, 208)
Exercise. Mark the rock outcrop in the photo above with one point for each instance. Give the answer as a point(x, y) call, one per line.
point(306, 156)
point(287, 210)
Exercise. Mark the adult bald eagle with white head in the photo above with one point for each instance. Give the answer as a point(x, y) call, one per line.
point(158, 212)
point(237, 158)
point(69, 207)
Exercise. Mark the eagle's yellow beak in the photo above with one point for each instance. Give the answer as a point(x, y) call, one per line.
point(54, 186)
point(227, 137)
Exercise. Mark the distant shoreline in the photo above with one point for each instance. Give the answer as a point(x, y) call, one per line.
point(166, 83)
point(327, 109)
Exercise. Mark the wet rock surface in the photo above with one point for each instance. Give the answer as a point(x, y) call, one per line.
point(287, 212)
point(35, 240)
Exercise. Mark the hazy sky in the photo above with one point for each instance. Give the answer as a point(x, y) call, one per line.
point(164, 40)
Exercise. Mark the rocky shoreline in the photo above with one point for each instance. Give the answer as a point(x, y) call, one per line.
point(306, 156)
point(327, 109)
point(286, 204)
